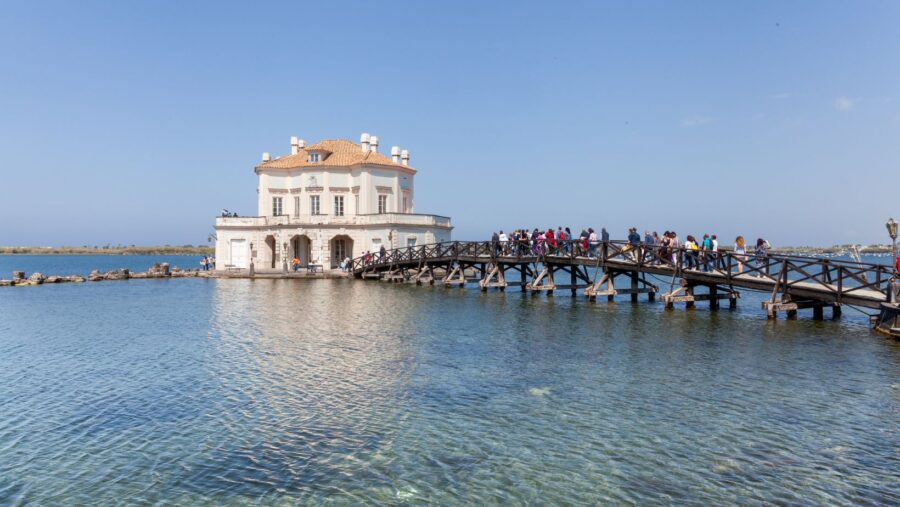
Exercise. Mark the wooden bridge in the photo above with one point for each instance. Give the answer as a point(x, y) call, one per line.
point(794, 282)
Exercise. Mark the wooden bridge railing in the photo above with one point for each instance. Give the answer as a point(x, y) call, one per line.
point(837, 277)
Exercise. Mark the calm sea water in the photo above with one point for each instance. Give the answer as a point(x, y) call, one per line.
point(270, 392)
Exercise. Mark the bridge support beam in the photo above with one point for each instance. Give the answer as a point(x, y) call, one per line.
point(494, 277)
point(605, 286)
point(597, 289)
point(888, 321)
point(686, 294)
point(790, 308)
point(543, 281)
point(634, 286)
point(455, 276)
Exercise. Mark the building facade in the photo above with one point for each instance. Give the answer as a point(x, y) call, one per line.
point(325, 202)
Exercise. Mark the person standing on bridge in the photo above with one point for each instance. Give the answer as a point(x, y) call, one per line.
point(740, 251)
point(634, 240)
point(762, 252)
point(705, 249)
point(592, 242)
point(714, 252)
point(382, 253)
point(495, 243)
point(663, 248)
point(552, 246)
point(691, 251)
point(604, 237)
point(676, 245)
point(504, 240)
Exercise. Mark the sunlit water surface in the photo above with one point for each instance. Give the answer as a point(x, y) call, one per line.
point(221, 392)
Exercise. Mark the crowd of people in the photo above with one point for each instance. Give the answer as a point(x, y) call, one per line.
point(549, 242)
point(702, 254)
point(368, 257)
point(228, 214)
point(207, 262)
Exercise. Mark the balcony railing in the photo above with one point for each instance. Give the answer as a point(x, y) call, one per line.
point(367, 219)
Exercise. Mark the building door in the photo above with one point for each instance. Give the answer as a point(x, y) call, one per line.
point(341, 248)
point(301, 248)
point(340, 251)
point(239, 253)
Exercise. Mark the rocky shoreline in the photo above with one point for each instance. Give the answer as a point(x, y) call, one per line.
point(157, 270)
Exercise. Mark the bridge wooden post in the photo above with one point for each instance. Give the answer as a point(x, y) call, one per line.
point(634, 286)
point(574, 280)
point(690, 292)
point(818, 312)
point(551, 283)
point(713, 298)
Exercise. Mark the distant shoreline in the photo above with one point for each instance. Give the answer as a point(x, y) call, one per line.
point(836, 249)
point(128, 250)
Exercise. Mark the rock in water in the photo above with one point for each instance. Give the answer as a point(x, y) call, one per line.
point(158, 270)
point(18, 275)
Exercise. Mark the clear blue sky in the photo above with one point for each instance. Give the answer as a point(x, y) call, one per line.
point(136, 122)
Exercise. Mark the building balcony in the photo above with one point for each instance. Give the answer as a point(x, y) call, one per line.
point(353, 220)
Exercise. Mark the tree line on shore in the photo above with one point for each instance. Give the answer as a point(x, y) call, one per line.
point(108, 250)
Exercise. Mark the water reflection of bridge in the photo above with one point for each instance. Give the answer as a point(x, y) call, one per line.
point(795, 282)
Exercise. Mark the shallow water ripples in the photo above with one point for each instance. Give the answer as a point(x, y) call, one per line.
point(271, 392)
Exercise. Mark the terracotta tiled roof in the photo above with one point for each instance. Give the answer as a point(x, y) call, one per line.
point(335, 153)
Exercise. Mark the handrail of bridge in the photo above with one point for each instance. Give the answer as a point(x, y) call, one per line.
point(839, 277)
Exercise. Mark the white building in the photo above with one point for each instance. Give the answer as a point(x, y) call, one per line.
point(324, 202)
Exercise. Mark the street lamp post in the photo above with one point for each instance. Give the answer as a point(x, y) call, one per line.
point(892, 232)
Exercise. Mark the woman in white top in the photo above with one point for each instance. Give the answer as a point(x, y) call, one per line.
point(740, 249)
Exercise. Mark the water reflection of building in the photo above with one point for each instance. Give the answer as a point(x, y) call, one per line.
point(308, 349)
point(325, 202)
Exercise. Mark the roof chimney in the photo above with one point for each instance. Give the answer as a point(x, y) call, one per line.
point(364, 141)
point(373, 141)
point(404, 157)
point(266, 156)
point(301, 144)
point(294, 147)
point(395, 154)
